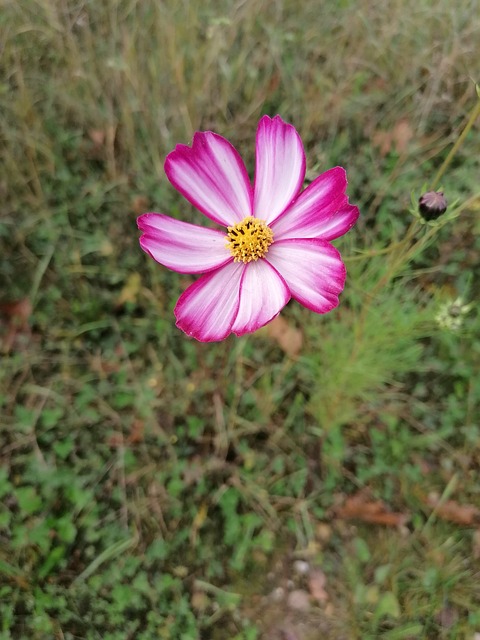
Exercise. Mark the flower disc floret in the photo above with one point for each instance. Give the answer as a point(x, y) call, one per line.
point(249, 240)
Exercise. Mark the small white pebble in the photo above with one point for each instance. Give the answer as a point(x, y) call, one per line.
point(298, 600)
point(301, 567)
point(277, 594)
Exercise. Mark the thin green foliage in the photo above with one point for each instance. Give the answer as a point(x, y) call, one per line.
point(370, 348)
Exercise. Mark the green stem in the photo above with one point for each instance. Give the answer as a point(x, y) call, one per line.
point(468, 203)
point(473, 116)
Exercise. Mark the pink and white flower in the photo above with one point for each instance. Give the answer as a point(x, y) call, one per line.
point(276, 244)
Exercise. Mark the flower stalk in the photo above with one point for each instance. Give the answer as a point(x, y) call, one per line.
point(474, 114)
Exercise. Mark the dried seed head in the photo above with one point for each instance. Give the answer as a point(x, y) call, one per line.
point(432, 205)
point(452, 314)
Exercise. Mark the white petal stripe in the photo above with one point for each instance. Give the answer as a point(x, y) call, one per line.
point(207, 309)
point(263, 294)
point(279, 168)
point(213, 177)
point(183, 247)
point(313, 271)
point(339, 222)
point(309, 215)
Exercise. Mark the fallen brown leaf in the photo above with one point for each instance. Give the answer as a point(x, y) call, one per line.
point(317, 581)
point(100, 137)
point(17, 315)
point(476, 544)
point(140, 204)
point(396, 139)
point(103, 367)
point(383, 141)
point(453, 511)
point(97, 136)
point(289, 339)
point(402, 134)
point(136, 434)
point(116, 440)
point(18, 311)
point(358, 507)
point(102, 144)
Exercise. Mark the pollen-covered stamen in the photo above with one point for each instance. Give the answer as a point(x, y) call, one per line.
point(249, 240)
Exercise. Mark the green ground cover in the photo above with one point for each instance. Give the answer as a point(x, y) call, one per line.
point(155, 487)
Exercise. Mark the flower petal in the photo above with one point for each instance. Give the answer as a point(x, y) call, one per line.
point(212, 176)
point(183, 247)
point(279, 169)
point(313, 271)
point(340, 222)
point(208, 308)
point(263, 293)
point(321, 211)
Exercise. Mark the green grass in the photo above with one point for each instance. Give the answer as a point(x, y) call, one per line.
point(155, 487)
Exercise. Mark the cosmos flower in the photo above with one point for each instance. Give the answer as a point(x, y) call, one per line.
point(275, 241)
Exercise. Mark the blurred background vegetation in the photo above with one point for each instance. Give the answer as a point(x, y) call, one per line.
point(318, 479)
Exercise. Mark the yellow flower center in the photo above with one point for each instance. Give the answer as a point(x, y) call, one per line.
point(249, 240)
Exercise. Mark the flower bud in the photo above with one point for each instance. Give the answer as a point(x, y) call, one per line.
point(432, 204)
